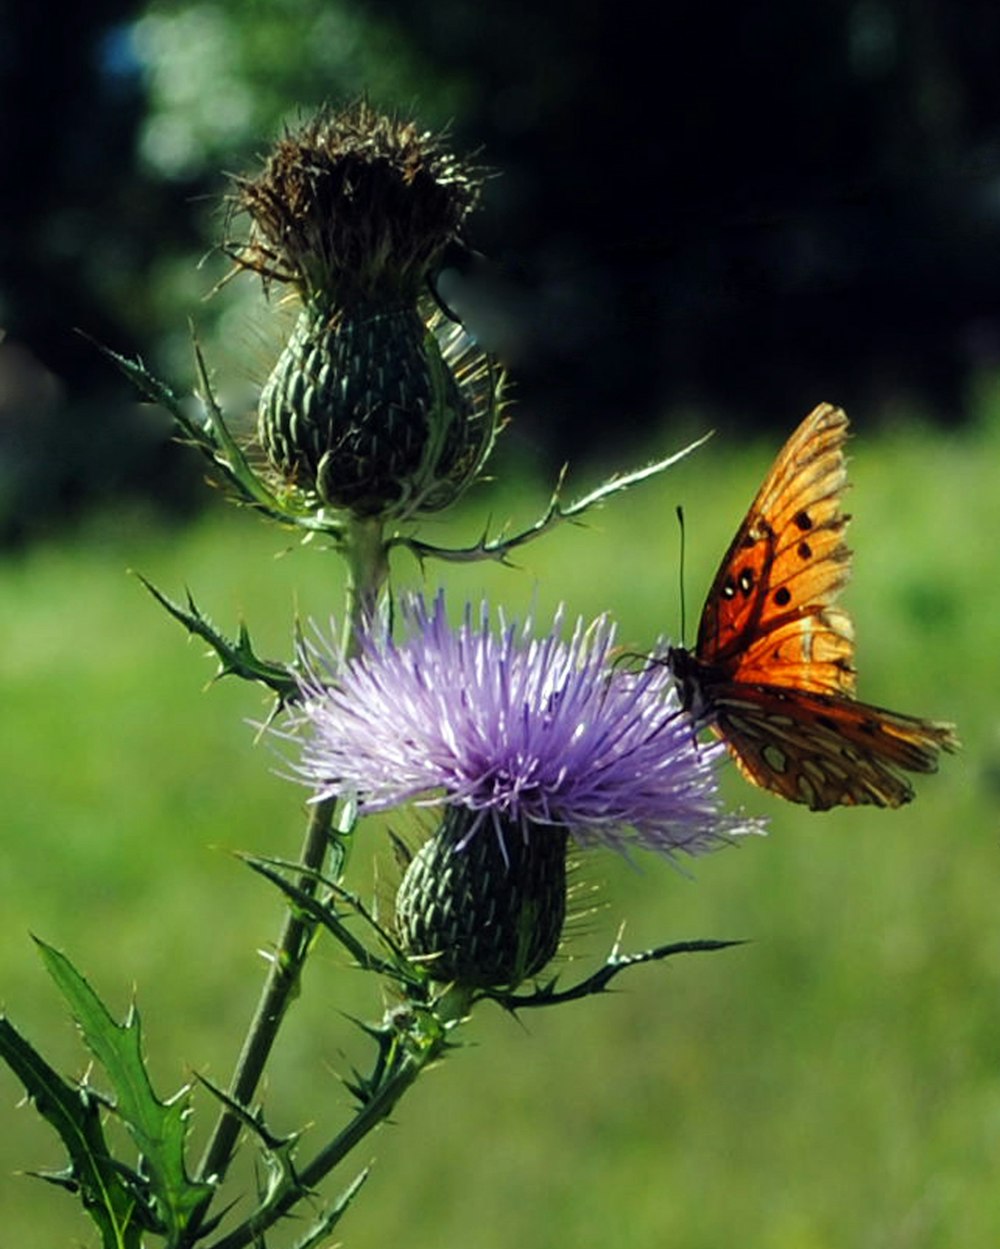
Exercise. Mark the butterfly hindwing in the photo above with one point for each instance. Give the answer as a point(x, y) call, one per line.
point(825, 750)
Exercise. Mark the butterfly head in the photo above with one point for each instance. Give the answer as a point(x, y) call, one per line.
point(687, 671)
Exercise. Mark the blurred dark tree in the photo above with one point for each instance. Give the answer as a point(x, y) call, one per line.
point(743, 207)
point(82, 228)
point(739, 208)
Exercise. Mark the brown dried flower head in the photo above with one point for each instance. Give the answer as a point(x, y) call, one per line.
point(354, 207)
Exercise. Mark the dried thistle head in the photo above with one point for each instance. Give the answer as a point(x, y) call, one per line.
point(354, 207)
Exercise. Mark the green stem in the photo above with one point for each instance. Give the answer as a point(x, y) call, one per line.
point(364, 549)
point(367, 572)
point(378, 1109)
point(279, 989)
point(400, 1076)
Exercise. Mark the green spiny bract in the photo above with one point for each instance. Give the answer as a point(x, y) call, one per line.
point(488, 910)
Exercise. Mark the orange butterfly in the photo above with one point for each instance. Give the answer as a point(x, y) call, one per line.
point(773, 667)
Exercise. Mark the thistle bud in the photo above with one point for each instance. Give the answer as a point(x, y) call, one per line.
point(488, 907)
point(378, 403)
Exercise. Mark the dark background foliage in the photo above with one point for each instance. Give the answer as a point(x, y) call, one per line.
point(739, 209)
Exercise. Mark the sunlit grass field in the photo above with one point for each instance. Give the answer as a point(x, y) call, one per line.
point(833, 1083)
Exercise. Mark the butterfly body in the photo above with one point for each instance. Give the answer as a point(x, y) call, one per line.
point(772, 670)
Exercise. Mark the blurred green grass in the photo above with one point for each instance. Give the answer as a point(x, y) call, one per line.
point(835, 1082)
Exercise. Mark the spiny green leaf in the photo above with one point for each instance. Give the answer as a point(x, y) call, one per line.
point(111, 1200)
point(326, 1223)
point(202, 436)
point(159, 1129)
point(346, 897)
point(229, 455)
point(252, 1120)
point(235, 658)
point(549, 995)
point(312, 910)
point(215, 441)
point(501, 547)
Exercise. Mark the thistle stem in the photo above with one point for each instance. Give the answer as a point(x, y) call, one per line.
point(399, 1076)
point(363, 548)
point(377, 1110)
point(278, 991)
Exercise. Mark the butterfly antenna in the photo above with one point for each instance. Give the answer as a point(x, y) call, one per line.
point(680, 525)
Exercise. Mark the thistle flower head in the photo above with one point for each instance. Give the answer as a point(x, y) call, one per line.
point(525, 742)
point(522, 732)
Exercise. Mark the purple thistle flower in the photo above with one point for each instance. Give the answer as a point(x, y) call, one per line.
point(520, 732)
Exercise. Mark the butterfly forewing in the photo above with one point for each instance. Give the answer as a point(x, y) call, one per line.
point(787, 562)
point(813, 652)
